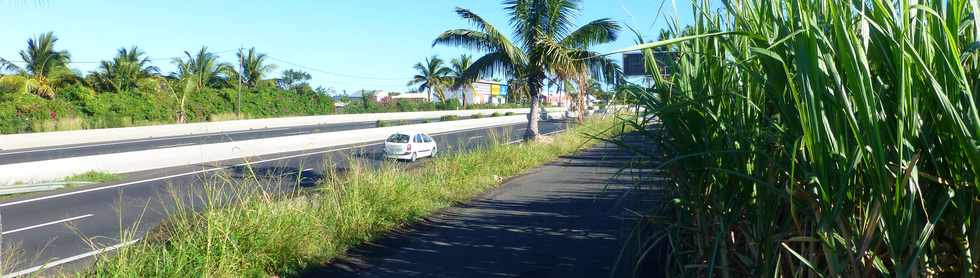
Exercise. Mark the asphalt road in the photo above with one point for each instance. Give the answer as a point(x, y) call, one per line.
point(48, 153)
point(62, 230)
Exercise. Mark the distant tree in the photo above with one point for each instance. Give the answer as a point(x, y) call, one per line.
point(461, 75)
point(44, 67)
point(432, 76)
point(179, 89)
point(202, 69)
point(294, 80)
point(539, 27)
point(124, 71)
point(252, 67)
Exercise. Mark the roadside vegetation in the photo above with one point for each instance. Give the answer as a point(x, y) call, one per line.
point(95, 176)
point(40, 92)
point(546, 45)
point(814, 139)
point(262, 233)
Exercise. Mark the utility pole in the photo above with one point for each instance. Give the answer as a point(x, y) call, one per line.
point(241, 71)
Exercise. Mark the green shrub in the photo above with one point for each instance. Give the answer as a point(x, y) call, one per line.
point(510, 114)
point(496, 114)
point(447, 118)
point(476, 116)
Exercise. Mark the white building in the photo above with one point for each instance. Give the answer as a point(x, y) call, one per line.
point(386, 96)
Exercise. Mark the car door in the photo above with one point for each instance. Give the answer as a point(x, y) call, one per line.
point(431, 143)
point(419, 142)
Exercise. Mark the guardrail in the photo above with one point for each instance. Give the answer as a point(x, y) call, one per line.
point(37, 187)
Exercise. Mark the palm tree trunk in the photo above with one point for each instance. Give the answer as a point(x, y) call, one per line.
point(464, 98)
point(581, 99)
point(532, 132)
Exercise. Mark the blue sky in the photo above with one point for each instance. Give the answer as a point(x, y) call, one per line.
point(351, 44)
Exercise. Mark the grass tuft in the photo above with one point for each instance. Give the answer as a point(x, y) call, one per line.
point(95, 176)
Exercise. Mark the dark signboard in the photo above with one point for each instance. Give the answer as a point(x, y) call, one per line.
point(633, 64)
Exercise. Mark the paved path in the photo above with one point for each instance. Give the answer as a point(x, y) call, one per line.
point(566, 219)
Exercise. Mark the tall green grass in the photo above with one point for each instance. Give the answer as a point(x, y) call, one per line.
point(818, 138)
point(258, 233)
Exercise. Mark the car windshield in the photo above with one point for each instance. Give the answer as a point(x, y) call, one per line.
point(398, 138)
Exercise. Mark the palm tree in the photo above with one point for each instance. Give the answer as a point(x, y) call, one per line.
point(539, 25)
point(252, 67)
point(432, 75)
point(125, 70)
point(462, 77)
point(44, 66)
point(203, 69)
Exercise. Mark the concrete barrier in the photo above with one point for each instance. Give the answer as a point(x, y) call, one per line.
point(61, 138)
point(57, 169)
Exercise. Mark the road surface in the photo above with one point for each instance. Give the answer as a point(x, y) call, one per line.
point(62, 230)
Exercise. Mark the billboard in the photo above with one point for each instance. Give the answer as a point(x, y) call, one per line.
point(495, 90)
point(633, 64)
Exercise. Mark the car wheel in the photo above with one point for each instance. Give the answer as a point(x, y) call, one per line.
point(415, 156)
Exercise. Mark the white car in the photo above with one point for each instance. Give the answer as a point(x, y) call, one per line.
point(410, 146)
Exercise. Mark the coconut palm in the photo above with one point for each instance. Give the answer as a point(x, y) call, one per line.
point(252, 66)
point(124, 71)
point(44, 67)
point(432, 76)
point(462, 78)
point(203, 68)
point(538, 25)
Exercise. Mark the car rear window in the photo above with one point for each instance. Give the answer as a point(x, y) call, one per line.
point(398, 138)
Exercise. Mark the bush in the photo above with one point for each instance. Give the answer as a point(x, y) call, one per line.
point(510, 114)
point(496, 114)
point(447, 118)
point(476, 116)
point(450, 104)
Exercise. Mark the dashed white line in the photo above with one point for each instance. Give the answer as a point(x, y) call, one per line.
point(69, 259)
point(47, 224)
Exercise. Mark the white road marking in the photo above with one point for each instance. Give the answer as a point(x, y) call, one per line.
point(47, 224)
point(145, 140)
point(69, 259)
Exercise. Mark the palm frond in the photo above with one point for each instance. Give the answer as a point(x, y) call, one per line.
point(593, 33)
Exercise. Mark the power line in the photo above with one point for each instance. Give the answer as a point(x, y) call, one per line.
point(149, 59)
point(329, 72)
point(390, 82)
